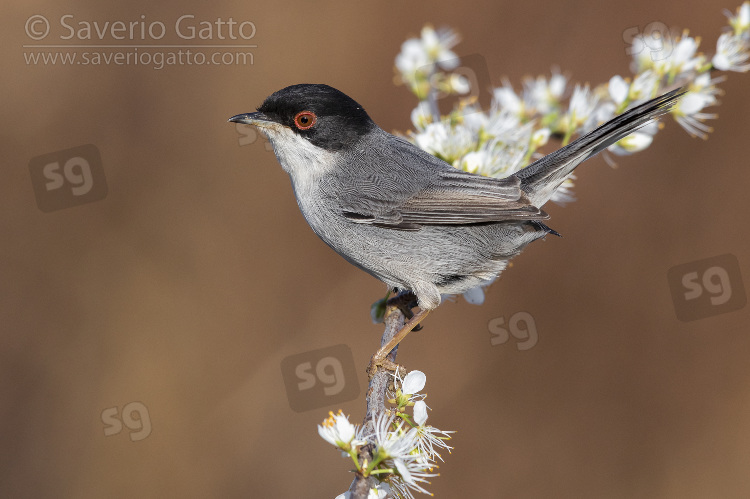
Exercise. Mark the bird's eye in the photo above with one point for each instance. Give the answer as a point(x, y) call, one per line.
point(305, 120)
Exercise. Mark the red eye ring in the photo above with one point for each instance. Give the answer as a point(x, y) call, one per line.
point(305, 120)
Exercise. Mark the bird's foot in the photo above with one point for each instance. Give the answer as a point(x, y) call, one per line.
point(385, 363)
point(381, 356)
point(405, 301)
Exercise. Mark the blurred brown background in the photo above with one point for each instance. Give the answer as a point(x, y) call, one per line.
point(186, 287)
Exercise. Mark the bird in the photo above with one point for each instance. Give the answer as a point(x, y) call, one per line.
point(405, 216)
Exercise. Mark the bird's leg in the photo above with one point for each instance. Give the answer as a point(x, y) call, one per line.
point(380, 357)
point(405, 301)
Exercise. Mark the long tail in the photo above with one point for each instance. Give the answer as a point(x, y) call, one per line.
point(542, 178)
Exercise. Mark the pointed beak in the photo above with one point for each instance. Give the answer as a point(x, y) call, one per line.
point(257, 119)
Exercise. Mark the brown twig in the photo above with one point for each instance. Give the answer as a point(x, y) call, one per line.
point(376, 392)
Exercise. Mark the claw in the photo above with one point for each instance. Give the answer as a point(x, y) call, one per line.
point(386, 364)
point(405, 301)
point(380, 357)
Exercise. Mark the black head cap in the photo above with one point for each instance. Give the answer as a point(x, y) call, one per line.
point(327, 117)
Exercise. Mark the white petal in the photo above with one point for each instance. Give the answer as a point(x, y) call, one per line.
point(421, 115)
point(731, 53)
point(644, 84)
point(507, 99)
point(475, 295)
point(429, 37)
point(582, 104)
point(744, 15)
point(636, 141)
point(459, 84)
point(721, 61)
point(540, 137)
point(413, 382)
point(702, 80)
point(403, 470)
point(326, 435)
point(557, 85)
point(473, 161)
point(420, 412)
point(685, 50)
point(691, 104)
point(345, 429)
point(618, 89)
point(650, 128)
point(411, 57)
point(380, 492)
point(448, 60)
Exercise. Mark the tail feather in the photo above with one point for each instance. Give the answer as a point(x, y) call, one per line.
point(541, 179)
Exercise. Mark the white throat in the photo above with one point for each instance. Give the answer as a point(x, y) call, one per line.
point(303, 161)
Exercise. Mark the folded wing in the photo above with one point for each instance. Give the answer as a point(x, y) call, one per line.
point(417, 189)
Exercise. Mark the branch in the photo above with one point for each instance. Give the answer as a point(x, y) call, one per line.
point(376, 392)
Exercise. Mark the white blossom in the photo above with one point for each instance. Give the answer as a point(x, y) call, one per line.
point(412, 473)
point(635, 142)
point(458, 84)
point(474, 119)
point(507, 99)
point(391, 444)
point(684, 57)
point(643, 57)
point(421, 116)
point(446, 141)
point(705, 87)
point(732, 53)
point(496, 158)
point(564, 194)
point(438, 45)
point(338, 431)
point(677, 55)
point(544, 95)
point(603, 112)
point(644, 86)
point(475, 161)
point(501, 123)
point(540, 137)
point(429, 439)
point(419, 54)
point(412, 57)
point(741, 22)
point(618, 89)
point(582, 105)
point(688, 114)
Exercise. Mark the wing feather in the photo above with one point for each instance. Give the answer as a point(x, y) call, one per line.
point(414, 188)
